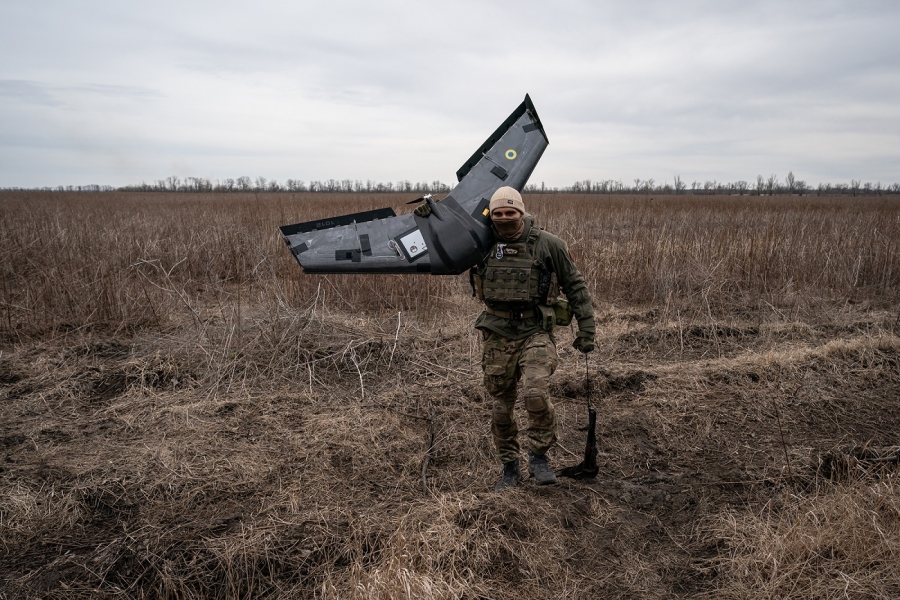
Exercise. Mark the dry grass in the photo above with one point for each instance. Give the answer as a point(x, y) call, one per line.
point(125, 261)
point(842, 542)
point(725, 252)
point(184, 414)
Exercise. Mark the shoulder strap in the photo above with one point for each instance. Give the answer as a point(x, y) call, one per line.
point(533, 236)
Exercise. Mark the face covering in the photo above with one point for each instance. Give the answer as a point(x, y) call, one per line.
point(510, 229)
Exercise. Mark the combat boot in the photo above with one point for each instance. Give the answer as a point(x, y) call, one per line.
point(540, 469)
point(511, 476)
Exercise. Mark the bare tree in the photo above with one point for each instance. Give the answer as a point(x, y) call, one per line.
point(772, 183)
point(790, 182)
point(296, 185)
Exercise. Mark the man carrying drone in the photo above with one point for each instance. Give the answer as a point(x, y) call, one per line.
point(518, 272)
point(519, 282)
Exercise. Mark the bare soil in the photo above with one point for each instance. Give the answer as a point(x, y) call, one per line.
point(145, 466)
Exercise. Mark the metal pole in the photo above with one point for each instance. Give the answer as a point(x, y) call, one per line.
point(587, 382)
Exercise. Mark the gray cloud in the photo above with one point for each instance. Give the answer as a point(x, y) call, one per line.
point(29, 92)
point(406, 90)
point(117, 91)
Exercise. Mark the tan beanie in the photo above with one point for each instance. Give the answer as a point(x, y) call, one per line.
point(507, 196)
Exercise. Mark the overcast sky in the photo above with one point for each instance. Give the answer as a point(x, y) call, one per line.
point(120, 92)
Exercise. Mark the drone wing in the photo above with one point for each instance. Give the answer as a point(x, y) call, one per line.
point(448, 241)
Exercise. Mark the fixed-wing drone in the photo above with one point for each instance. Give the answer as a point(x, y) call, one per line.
point(453, 237)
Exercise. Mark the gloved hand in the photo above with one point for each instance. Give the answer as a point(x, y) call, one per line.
point(584, 342)
point(423, 210)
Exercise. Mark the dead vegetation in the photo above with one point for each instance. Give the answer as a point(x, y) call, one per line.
point(184, 414)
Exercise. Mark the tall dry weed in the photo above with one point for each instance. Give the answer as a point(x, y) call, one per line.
point(841, 543)
point(722, 252)
point(123, 261)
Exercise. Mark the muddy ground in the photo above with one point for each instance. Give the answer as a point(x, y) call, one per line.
point(169, 463)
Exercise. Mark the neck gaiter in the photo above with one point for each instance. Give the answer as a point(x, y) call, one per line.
point(510, 229)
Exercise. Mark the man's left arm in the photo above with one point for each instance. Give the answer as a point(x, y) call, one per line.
point(573, 286)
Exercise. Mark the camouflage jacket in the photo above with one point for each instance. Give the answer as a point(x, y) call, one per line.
point(554, 253)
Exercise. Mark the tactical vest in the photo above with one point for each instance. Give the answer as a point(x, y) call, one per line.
point(511, 278)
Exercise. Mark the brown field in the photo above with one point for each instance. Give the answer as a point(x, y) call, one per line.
point(185, 414)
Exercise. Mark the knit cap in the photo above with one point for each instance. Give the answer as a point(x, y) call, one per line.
point(507, 196)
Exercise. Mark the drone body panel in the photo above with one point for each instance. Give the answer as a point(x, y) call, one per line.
point(450, 239)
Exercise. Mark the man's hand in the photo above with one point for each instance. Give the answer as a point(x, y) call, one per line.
point(423, 210)
point(584, 342)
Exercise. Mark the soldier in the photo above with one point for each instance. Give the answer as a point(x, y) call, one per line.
point(519, 281)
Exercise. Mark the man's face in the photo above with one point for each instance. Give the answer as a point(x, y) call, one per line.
point(505, 213)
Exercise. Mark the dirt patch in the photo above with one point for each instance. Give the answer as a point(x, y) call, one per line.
point(137, 465)
point(105, 387)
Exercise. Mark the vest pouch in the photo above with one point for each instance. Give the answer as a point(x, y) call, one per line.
point(552, 290)
point(477, 283)
point(506, 284)
point(548, 316)
point(562, 312)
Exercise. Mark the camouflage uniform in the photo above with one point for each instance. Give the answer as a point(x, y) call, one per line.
point(518, 343)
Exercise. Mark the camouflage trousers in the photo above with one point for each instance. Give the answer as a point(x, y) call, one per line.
point(506, 364)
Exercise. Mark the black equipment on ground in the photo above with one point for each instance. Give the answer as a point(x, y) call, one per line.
point(588, 468)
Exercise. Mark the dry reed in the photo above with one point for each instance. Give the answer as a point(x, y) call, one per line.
point(184, 414)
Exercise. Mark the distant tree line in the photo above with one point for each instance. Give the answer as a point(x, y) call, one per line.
point(261, 184)
point(763, 186)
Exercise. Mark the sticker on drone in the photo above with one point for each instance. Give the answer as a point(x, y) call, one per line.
point(413, 243)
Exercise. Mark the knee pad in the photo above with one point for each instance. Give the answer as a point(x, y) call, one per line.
point(535, 403)
point(501, 414)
